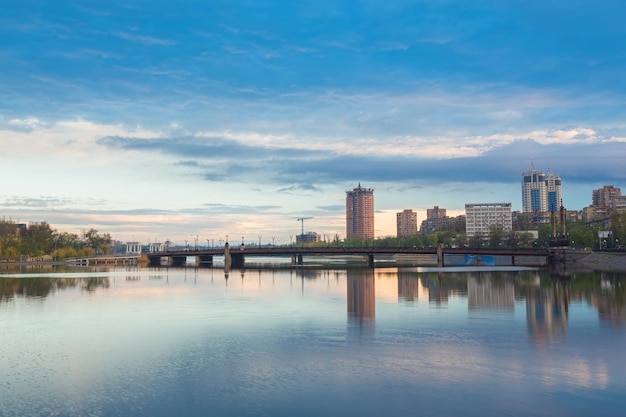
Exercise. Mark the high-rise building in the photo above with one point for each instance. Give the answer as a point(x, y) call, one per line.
point(435, 213)
point(480, 218)
point(541, 193)
point(553, 190)
point(605, 196)
point(406, 223)
point(438, 220)
point(360, 213)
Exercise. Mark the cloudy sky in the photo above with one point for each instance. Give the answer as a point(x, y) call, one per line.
point(152, 120)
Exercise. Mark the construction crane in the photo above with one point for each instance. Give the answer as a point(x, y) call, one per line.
point(301, 220)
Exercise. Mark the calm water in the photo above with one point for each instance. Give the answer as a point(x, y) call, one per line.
point(397, 342)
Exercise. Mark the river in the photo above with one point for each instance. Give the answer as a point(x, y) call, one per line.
point(311, 342)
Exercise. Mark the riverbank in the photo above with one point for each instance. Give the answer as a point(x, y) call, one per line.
point(598, 261)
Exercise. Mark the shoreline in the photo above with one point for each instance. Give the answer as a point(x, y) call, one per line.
point(597, 261)
point(574, 259)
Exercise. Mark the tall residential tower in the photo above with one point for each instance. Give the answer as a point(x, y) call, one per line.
point(406, 223)
point(360, 213)
point(541, 193)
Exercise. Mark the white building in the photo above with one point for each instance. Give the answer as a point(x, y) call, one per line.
point(481, 217)
point(541, 192)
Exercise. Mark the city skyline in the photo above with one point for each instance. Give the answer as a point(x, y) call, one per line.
point(155, 121)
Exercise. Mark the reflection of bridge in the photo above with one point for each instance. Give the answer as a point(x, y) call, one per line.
point(297, 254)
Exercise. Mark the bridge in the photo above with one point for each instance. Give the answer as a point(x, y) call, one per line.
point(128, 259)
point(237, 255)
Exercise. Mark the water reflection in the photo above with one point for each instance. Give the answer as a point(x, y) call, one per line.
point(546, 299)
point(486, 291)
point(361, 294)
point(546, 311)
point(366, 341)
point(43, 287)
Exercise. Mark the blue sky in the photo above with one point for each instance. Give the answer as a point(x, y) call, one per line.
point(152, 120)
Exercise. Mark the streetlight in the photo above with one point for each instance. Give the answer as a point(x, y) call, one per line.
point(196, 242)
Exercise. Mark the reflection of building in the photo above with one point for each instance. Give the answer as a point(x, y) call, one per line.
point(609, 310)
point(487, 292)
point(360, 213)
point(361, 293)
point(480, 218)
point(406, 223)
point(408, 286)
point(547, 312)
point(438, 291)
point(610, 301)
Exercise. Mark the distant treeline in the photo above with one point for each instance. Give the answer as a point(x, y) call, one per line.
point(40, 240)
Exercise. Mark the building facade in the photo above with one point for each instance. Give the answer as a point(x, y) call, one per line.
point(541, 194)
point(360, 213)
point(436, 213)
point(605, 197)
point(406, 223)
point(481, 217)
point(437, 220)
point(308, 237)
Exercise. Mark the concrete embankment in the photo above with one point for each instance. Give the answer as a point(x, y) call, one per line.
point(599, 261)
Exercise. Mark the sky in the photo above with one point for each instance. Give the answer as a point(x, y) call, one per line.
point(198, 120)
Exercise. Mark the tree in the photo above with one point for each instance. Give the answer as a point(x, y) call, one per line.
point(99, 243)
point(461, 240)
point(476, 241)
point(496, 234)
point(618, 227)
point(526, 239)
point(37, 239)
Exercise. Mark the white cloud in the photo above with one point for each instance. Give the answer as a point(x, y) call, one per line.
point(35, 138)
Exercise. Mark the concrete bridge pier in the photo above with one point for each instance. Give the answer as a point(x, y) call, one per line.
point(152, 261)
point(204, 260)
point(238, 260)
point(440, 262)
point(178, 260)
point(370, 260)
